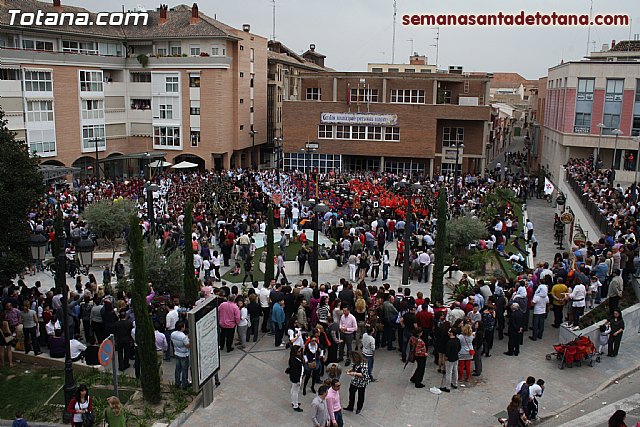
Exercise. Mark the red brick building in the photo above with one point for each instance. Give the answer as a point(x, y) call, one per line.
point(394, 122)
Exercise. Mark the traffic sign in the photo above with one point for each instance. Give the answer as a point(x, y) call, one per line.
point(312, 145)
point(567, 218)
point(105, 352)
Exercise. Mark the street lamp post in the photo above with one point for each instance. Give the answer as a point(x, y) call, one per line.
point(595, 162)
point(318, 209)
point(407, 229)
point(38, 245)
point(457, 172)
point(252, 133)
point(616, 132)
point(97, 174)
point(277, 149)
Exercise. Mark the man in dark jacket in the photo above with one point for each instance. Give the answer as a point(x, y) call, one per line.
point(516, 330)
point(123, 341)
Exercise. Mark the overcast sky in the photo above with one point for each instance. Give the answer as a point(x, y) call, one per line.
point(352, 33)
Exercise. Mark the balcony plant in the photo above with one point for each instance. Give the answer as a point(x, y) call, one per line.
point(143, 60)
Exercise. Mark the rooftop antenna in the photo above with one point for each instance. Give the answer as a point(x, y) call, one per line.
point(437, 45)
point(411, 41)
point(594, 46)
point(629, 42)
point(589, 28)
point(393, 40)
point(273, 35)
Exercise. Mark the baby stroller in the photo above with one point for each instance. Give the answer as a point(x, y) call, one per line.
point(582, 349)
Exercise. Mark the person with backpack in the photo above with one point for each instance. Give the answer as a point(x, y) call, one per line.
point(85, 313)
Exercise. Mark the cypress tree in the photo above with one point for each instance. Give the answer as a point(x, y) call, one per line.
point(145, 337)
point(269, 273)
point(190, 282)
point(437, 287)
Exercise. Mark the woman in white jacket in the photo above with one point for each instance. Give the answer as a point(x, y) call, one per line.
point(539, 302)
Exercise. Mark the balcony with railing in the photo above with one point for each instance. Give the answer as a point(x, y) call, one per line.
point(592, 209)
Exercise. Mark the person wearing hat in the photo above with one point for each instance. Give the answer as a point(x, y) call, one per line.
point(516, 330)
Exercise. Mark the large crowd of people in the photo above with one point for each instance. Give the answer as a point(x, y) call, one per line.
point(331, 327)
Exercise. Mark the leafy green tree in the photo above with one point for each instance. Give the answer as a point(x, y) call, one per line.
point(164, 270)
point(21, 187)
point(108, 219)
point(189, 278)
point(437, 287)
point(464, 230)
point(145, 337)
point(496, 201)
point(269, 273)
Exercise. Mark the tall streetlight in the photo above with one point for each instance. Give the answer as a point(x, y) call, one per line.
point(595, 162)
point(277, 150)
point(252, 134)
point(458, 147)
point(84, 249)
point(616, 132)
point(38, 245)
point(319, 209)
point(97, 174)
point(413, 188)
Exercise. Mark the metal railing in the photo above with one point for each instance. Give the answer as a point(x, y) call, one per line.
point(599, 220)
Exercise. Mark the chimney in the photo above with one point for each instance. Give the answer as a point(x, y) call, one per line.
point(195, 16)
point(312, 47)
point(246, 28)
point(613, 44)
point(57, 5)
point(163, 14)
point(416, 59)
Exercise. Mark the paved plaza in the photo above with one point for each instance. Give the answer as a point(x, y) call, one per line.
point(256, 380)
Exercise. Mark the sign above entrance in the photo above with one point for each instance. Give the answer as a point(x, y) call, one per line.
point(359, 119)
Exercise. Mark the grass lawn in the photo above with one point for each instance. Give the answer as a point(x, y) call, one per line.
point(26, 388)
point(508, 247)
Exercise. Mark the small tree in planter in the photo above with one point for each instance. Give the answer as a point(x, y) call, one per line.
point(464, 230)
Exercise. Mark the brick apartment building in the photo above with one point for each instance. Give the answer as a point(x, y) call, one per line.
point(284, 68)
point(185, 85)
point(593, 106)
point(395, 122)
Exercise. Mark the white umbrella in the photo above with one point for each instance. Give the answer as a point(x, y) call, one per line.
point(159, 163)
point(185, 165)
